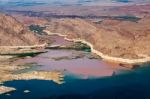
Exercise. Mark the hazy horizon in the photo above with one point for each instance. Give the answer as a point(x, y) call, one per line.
point(70, 2)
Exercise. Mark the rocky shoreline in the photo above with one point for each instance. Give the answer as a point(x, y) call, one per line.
point(9, 71)
point(7, 74)
point(4, 89)
point(21, 49)
point(56, 76)
point(105, 57)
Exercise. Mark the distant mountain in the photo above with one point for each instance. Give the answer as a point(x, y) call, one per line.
point(13, 33)
point(69, 2)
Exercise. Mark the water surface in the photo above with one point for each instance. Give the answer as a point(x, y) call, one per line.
point(85, 77)
point(132, 85)
point(78, 63)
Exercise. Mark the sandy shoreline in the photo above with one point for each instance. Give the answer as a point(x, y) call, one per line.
point(105, 57)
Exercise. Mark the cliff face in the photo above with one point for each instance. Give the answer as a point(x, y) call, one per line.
point(13, 33)
point(116, 38)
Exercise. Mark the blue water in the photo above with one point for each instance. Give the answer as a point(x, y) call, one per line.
point(133, 84)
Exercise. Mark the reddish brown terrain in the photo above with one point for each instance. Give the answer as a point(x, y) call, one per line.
point(13, 33)
point(117, 31)
point(101, 47)
point(116, 38)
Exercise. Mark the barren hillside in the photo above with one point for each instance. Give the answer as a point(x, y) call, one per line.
point(13, 33)
point(112, 37)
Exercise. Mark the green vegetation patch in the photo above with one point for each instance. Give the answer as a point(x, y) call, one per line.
point(127, 18)
point(76, 46)
point(81, 47)
point(37, 29)
point(20, 55)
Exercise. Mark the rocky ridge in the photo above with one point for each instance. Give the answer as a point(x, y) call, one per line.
point(13, 33)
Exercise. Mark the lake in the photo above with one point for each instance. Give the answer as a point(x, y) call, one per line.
point(84, 77)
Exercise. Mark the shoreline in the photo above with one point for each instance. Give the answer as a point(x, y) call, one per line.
point(105, 57)
point(4, 89)
point(31, 46)
point(14, 50)
point(54, 76)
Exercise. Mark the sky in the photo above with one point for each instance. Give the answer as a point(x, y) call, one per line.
point(69, 2)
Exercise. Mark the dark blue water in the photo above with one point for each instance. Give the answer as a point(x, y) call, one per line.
point(134, 84)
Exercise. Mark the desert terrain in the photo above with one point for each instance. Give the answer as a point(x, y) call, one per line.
point(115, 33)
